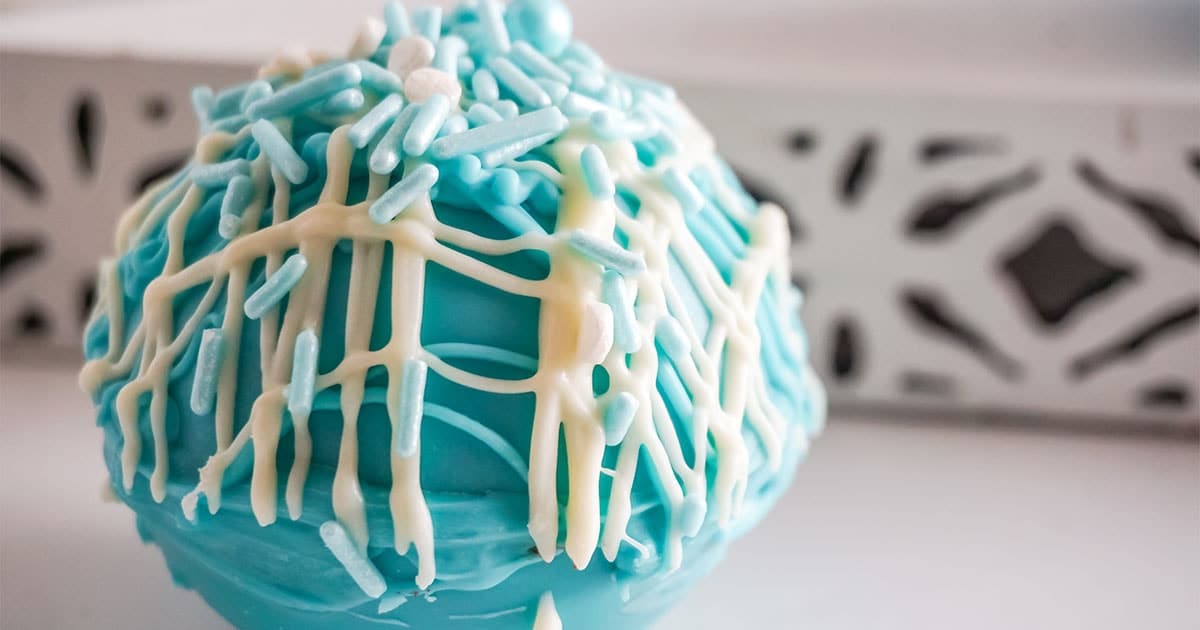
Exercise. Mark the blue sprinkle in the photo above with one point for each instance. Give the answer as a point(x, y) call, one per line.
point(506, 108)
point(627, 336)
point(515, 219)
point(691, 515)
point(425, 126)
point(396, 18)
point(343, 103)
point(447, 53)
point(544, 23)
point(576, 105)
point(356, 564)
point(610, 125)
point(277, 286)
point(301, 390)
point(237, 197)
point(499, 134)
point(512, 151)
point(583, 77)
point(596, 174)
point(582, 53)
point(410, 407)
point(427, 21)
point(465, 168)
point(456, 123)
point(506, 185)
point(484, 86)
point(391, 203)
point(202, 103)
point(535, 63)
point(307, 91)
point(255, 92)
point(555, 90)
point(386, 156)
point(229, 101)
point(367, 127)
point(208, 370)
point(279, 151)
point(683, 189)
point(524, 88)
point(647, 85)
point(480, 115)
point(493, 30)
point(607, 253)
point(229, 124)
point(378, 78)
point(618, 417)
point(674, 341)
point(466, 67)
point(218, 174)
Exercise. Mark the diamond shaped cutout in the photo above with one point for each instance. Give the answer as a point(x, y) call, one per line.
point(1057, 272)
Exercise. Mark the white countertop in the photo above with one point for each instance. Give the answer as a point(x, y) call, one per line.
point(887, 526)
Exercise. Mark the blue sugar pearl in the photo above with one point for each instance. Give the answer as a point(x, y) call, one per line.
point(277, 286)
point(208, 370)
point(596, 174)
point(279, 151)
point(301, 390)
point(365, 575)
point(367, 127)
point(425, 126)
point(618, 417)
point(546, 24)
point(411, 407)
point(391, 203)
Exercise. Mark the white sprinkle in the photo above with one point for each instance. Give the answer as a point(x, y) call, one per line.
point(425, 82)
point(367, 40)
point(410, 54)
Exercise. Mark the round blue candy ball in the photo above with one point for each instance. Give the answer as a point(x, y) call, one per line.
point(545, 24)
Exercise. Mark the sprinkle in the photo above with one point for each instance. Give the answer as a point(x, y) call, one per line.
point(449, 49)
point(238, 195)
point(535, 63)
point(555, 90)
point(499, 134)
point(356, 564)
point(367, 127)
point(425, 83)
point(673, 340)
point(409, 55)
point(466, 168)
point(582, 53)
point(343, 103)
point(627, 335)
point(370, 35)
point(378, 78)
point(386, 156)
point(229, 124)
point(648, 85)
point(691, 515)
point(396, 18)
point(218, 174)
point(506, 108)
point(456, 123)
point(618, 417)
point(515, 219)
point(427, 21)
point(596, 174)
point(277, 286)
point(228, 101)
point(484, 86)
point(255, 92)
point(610, 125)
point(208, 370)
point(494, 32)
point(466, 67)
point(428, 121)
point(391, 203)
point(514, 150)
point(300, 391)
point(576, 105)
point(279, 151)
point(520, 84)
point(684, 189)
point(606, 253)
point(307, 91)
point(506, 185)
point(410, 407)
point(480, 115)
point(202, 103)
point(583, 77)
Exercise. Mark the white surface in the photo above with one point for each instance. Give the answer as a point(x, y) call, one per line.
point(1112, 49)
point(887, 526)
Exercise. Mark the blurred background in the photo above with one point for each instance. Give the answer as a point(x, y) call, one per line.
point(995, 210)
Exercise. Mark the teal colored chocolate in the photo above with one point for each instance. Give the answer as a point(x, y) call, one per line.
point(474, 445)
